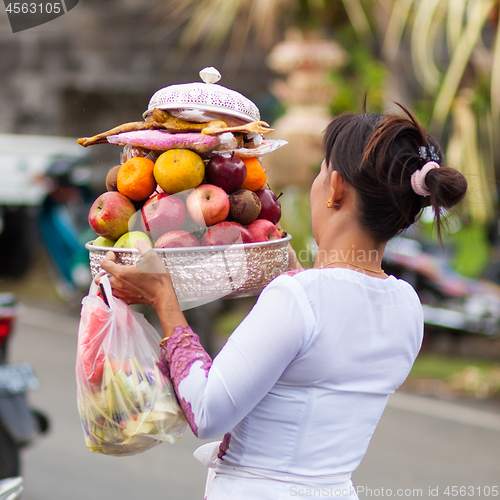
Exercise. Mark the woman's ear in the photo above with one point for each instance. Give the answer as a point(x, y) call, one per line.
point(338, 187)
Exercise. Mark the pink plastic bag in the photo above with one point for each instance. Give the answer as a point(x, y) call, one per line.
point(126, 404)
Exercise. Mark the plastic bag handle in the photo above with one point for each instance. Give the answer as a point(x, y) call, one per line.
point(106, 291)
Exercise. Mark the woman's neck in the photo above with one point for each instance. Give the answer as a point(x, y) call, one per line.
point(349, 246)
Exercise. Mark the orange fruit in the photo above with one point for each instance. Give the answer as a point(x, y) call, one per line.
point(135, 178)
point(178, 170)
point(256, 176)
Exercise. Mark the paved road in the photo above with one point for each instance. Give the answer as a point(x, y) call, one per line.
point(424, 445)
point(421, 446)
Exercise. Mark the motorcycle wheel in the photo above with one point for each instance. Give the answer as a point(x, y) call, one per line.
point(9, 456)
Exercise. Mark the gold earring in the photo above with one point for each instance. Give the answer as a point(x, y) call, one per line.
point(329, 203)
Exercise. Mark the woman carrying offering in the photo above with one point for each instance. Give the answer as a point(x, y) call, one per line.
point(300, 386)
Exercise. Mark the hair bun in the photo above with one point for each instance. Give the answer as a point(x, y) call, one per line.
point(447, 187)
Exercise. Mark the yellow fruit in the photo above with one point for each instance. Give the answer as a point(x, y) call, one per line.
point(128, 240)
point(178, 170)
point(101, 241)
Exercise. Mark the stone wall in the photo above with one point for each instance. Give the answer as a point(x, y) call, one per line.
point(98, 65)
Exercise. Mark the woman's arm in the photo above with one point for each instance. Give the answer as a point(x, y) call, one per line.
point(221, 393)
point(216, 396)
point(149, 283)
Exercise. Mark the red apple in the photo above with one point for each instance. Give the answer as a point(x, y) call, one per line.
point(176, 239)
point(110, 213)
point(226, 233)
point(270, 205)
point(207, 205)
point(162, 213)
point(263, 230)
point(227, 172)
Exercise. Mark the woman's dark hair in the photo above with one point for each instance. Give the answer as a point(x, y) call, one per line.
point(377, 155)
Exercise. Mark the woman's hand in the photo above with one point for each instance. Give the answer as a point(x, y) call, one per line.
point(148, 282)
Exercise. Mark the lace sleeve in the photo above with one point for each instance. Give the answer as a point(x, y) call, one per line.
point(179, 352)
point(216, 396)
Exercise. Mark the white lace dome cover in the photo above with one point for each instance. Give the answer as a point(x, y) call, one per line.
point(201, 101)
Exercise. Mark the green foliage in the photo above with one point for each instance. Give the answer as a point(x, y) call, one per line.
point(441, 367)
point(363, 75)
point(318, 15)
point(296, 219)
point(228, 321)
point(473, 250)
point(481, 97)
point(423, 110)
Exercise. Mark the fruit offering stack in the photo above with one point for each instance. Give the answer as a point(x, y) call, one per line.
point(187, 182)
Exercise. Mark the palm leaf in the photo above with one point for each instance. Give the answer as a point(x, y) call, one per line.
point(465, 155)
point(455, 22)
point(394, 32)
point(495, 82)
point(359, 20)
point(462, 21)
point(459, 60)
point(423, 37)
point(212, 22)
point(264, 15)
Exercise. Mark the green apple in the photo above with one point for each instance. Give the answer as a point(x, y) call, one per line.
point(101, 241)
point(128, 240)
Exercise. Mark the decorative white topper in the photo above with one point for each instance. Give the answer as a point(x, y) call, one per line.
point(210, 75)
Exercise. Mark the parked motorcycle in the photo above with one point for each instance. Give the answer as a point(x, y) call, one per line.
point(45, 194)
point(19, 424)
point(63, 223)
point(449, 299)
point(11, 488)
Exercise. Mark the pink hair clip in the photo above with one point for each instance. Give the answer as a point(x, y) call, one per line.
point(418, 179)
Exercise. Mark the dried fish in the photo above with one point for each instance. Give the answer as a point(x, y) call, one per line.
point(258, 127)
point(125, 127)
point(161, 120)
point(173, 124)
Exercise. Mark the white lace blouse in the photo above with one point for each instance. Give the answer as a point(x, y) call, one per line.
point(302, 382)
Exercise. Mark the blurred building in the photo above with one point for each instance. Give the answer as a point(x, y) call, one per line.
point(88, 71)
point(306, 60)
point(98, 65)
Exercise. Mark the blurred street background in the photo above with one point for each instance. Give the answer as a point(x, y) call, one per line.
point(301, 62)
point(422, 442)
